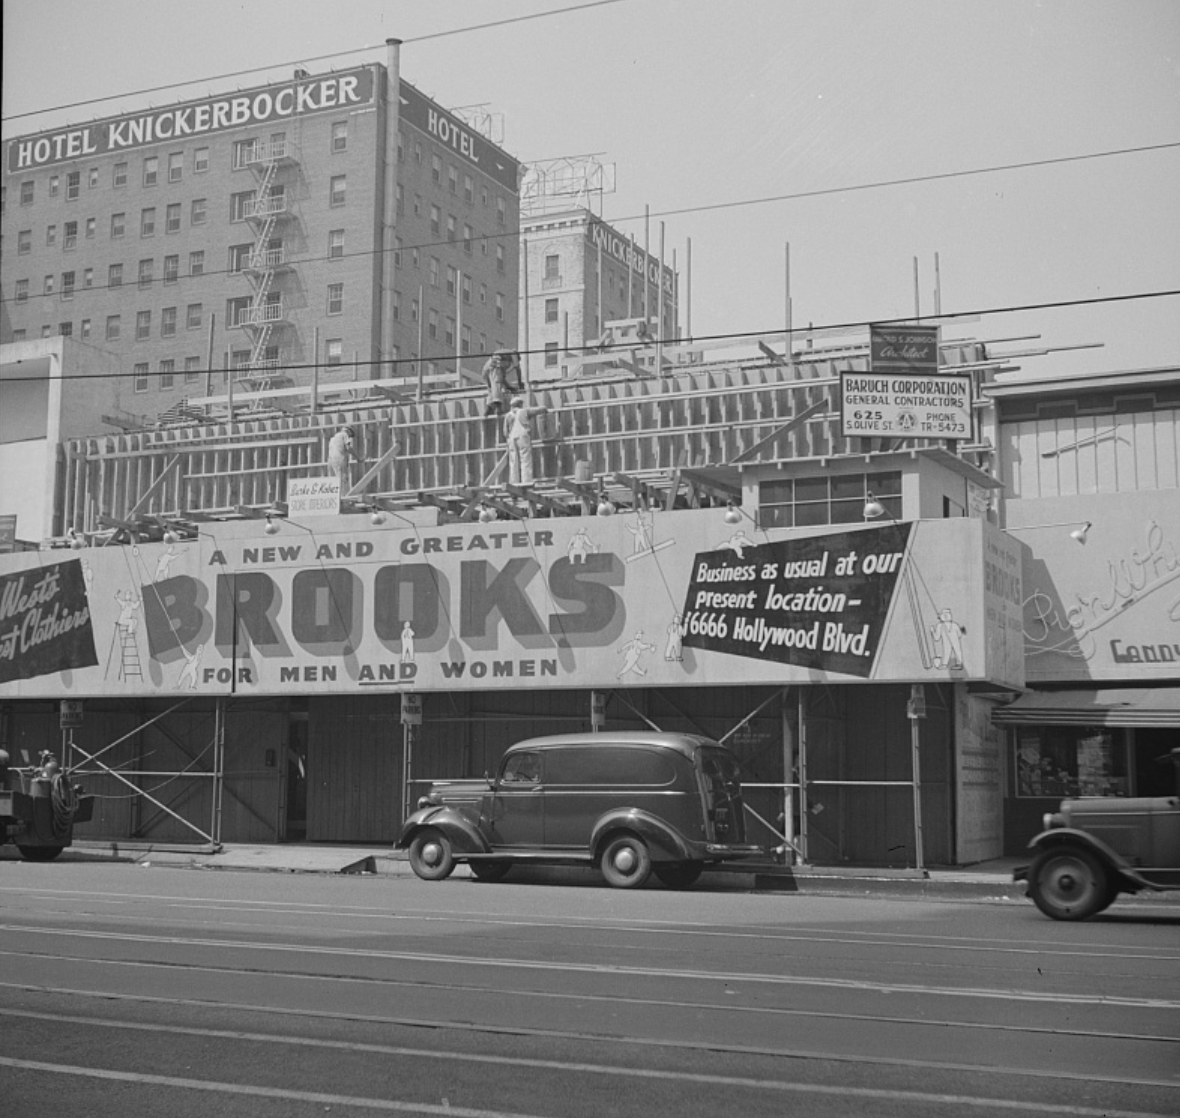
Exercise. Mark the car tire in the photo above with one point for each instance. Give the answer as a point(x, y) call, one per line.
point(431, 857)
point(679, 875)
point(39, 853)
point(1069, 883)
point(626, 863)
point(489, 871)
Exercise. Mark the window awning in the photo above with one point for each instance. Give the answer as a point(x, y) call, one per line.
point(1119, 706)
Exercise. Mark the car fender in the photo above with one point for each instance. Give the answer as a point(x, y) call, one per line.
point(464, 836)
point(1130, 878)
point(666, 843)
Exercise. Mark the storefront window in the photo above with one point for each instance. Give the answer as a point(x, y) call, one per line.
point(1058, 761)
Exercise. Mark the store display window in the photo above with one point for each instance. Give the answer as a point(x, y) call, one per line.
point(1059, 761)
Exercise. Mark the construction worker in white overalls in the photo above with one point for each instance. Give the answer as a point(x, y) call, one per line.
point(518, 429)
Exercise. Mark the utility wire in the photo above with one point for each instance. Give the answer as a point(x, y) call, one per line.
point(518, 234)
point(314, 58)
point(697, 338)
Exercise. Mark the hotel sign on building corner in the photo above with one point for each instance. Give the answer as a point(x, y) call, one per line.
point(263, 105)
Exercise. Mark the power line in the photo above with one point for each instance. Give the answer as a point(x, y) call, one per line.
point(316, 58)
point(517, 234)
point(697, 339)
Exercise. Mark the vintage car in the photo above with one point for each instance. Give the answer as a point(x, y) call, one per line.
point(1094, 848)
point(626, 803)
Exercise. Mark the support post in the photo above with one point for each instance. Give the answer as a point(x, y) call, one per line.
point(801, 744)
point(916, 711)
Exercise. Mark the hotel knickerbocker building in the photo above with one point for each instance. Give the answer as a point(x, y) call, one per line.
point(921, 598)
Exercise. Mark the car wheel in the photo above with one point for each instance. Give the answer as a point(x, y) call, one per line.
point(626, 864)
point(1068, 883)
point(489, 871)
point(39, 853)
point(679, 875)
point(430, 855)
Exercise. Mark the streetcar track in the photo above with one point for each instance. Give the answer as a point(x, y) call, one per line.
point(566, 1067)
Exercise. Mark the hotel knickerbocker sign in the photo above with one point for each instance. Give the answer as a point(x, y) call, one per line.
point(639, 599)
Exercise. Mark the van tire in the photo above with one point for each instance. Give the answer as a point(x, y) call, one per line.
point(489, 871)
point(1069, 883)
point(626, 863)
point(431, 857)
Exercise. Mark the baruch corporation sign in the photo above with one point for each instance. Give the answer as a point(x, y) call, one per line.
point(265, 105)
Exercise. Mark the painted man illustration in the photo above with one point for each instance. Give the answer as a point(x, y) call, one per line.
point(674, 650)
point(948, 641)
point(631, 652)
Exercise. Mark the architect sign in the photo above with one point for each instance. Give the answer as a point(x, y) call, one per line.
point(906, 405)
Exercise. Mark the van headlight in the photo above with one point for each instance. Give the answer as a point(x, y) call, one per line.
point(424, 801)
point(1052, 819)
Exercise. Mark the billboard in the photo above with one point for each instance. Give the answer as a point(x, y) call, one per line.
point(906, 405)
point(642, 598)
point(45, 625)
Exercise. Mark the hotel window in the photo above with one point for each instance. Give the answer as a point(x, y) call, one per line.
point(112, 327)
point(553, 267)
point(550, 354)
point(66, 329)
point(85, 328)
point(167, 372)
point(88, 277)
point(483, 294)
point(141, 378)
point(91, 226)
point(146, 268)
point(452, 179)
point(192, 369)
point(51, 236)
point(397, 252)
point(115, 275)
point(70, 240)
point(467, 235)
point(200, 161)
point(244, 151)
point(147, 222)
point(434, 270)
point(119, 177)
point(118, 225)
point(193, 316)
point(168, 322)
point(466, 285)
point(450, 280)
point(501, 212)
point(435, 217)
point(196, 263)
point(414, 310)
point(239, 257)
point(340, 135)
point(26, 193)
point(151, 170)
point(449, 336)
point(73, 185)
point(143, 325)
point(432, 324)
point(240, 205)
point(54, 185)
point(22, 290)
point(334, 351)
point(176, 166)
point(335, 298)
point(171, 269)
point(172, 218)
point(67, 285)
point(335, 244)
point(401, 199)
point(199, 214)
point(550, 310)
point(93, 178)
point(47, 286)
point(397, 306)
point(500, 259)
point(336, 190)
point(468, 188)
point(436, 170)
point(466, 342)
point(499, 307)
point(450, 227)
point(24, 242)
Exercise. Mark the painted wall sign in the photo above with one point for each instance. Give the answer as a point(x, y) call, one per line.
point(906, 405)
point(459, 138)
point(45, 621)
point(630, 256)
point(637, 599)
point(1108, 610)
point(268, 104)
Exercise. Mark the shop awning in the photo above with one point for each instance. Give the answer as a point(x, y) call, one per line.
point(1119, 706)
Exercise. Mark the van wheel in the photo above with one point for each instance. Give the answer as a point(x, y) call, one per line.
point(679, 875)
point(626, 864)
point(39, 853)
point(1067, 883)
point(430, 855)
point(489, 871)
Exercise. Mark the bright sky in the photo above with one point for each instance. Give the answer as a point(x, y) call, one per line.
point(714, 113)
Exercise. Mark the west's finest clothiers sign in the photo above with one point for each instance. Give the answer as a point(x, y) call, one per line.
point(638, 599)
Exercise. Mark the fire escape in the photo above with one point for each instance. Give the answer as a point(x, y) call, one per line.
point(266, 262)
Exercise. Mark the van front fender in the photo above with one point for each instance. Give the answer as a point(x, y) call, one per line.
point(666, 843)
point(463, 836)
point(1130, 878)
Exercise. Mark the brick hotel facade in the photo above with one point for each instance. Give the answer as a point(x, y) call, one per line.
point(314, 222)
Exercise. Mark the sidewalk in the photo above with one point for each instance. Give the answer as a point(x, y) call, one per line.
point(987, 880)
